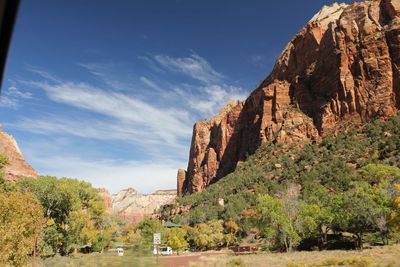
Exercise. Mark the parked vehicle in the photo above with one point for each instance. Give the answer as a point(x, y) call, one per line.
point(120, 251)
point(166, 251)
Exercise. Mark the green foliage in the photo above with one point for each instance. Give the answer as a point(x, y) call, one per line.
point(275, 224)
point(359, 210)
point(21, 216)
point(207, 235)
point(74, 211)
point(236, 262)
point(354, 172)
point(141, 235)
point(4, 185)
point(380, 173)
point(176, 238)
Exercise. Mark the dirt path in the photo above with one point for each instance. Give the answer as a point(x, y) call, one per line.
point(185, 260)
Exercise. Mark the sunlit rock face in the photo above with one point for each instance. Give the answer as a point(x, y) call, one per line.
point(134, 207)
point(17, 167)
point(105, 195)
point(342, 66)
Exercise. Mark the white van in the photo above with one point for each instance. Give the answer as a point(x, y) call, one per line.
point(166, 251)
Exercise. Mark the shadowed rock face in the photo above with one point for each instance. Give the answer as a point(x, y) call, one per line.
point(18, 167)
point(343, 65)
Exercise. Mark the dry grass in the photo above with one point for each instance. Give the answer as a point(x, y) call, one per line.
point(107, 259)
point(388, 256)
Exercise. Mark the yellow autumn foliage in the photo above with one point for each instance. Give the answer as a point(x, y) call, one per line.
point(21, 217)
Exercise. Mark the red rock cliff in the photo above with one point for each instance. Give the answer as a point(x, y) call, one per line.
point(18, 167)
point(343, 65)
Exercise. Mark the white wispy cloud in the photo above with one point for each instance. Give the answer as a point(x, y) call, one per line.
point(258, 61)
point(144, 176)
point(11, 96)
point(150, 62)
point(113, 174)
point(151, 84)
point(15, 92)
point(103, 130)
point(43, 73)
point(104, 72)
point(206, 100)
point(7, 102)
point(212, 97)
point(194, 66)
point(139, 118)
point(154, 116)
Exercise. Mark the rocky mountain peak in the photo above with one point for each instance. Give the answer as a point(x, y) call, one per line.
point(342, 66)
point(328, 14)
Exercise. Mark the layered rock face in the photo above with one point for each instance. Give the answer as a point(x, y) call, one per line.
point(343, 65)
point(105, 195)
point(18, 167)
point(134, 207)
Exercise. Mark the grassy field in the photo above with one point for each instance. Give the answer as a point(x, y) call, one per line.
point(106, 259)
point(388, 256)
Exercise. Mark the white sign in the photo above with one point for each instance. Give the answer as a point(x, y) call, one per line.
point(157, 238)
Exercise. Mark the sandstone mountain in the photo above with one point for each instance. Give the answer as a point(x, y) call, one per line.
point(342, 66)
point(18, 167)
point(133, 206)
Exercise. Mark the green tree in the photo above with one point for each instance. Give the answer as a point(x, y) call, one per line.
point(275, 224)
point(57, 196)
point(51, 239)
point(75, 210)
point(176, 238)
point(314, 219)
point(231, 231)
point(394, 219)
point(207, 235)
point(380, 173)
point(358, 210)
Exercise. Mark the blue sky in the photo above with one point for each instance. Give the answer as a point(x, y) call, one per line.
point(108, 91)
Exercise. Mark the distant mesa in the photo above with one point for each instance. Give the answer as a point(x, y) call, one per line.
point(18, 167)
point(133, 206)
point(343, 66)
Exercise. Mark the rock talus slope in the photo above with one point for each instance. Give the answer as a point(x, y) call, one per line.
point(342, 66)
point(18, 167)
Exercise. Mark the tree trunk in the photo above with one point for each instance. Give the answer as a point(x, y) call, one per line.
point(34, 251)
point(359, 241)
point(286, 245)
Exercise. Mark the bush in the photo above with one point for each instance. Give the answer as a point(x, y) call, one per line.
point(236, 262)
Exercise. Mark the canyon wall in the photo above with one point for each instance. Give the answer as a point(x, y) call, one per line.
point(342, 66)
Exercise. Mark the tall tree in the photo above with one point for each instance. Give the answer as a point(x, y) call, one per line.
point(275, 224)
point(21, 216)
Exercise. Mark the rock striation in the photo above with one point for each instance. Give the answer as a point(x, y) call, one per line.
point(134, 207)
point(342, 66)
point(17, 167)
